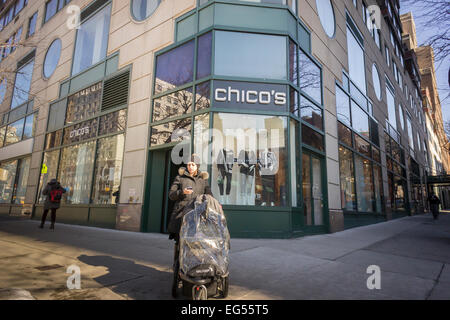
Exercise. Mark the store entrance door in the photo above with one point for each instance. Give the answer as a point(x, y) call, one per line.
point(163, 171)
point(313, 190)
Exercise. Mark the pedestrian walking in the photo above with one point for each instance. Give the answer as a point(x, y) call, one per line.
point(53, 190)
point(434, 205)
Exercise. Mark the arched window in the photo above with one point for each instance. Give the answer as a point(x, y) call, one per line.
point(326, 15)
point(142, 9)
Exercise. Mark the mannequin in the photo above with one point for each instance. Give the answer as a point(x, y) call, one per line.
point(225, 160)
point(268, 164)
point(247, 162)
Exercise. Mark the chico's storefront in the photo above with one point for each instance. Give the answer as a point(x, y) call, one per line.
point(251, 105)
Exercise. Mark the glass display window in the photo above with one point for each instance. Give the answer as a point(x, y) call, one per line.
point(108, 169)
point(250, 160)
point(75, 172)
point(84, 104)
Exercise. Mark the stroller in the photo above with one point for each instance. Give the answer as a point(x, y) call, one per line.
point(201, 253)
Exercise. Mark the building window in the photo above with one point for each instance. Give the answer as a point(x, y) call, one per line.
point(21, 181)
point(401, 118)
point(204, 55)
point(142, 9)
point(52, 7)
point(32, 25)
point(22, 84)
point(92, 40)
point(376, 81)
point(310, 77)
point(84, 104)
point(348, 194)
point(52, 58)
point(165, 108)
point(326, 16)
point(357, 70)
point(250, 55)
point(250, 164)
point(175, 67)
point(392, 118)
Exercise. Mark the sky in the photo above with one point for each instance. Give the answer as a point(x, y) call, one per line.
point(442, 69)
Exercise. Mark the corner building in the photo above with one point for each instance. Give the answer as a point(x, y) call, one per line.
point(306, 116)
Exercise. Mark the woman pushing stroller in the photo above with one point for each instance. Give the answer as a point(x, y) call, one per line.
point(202, 240)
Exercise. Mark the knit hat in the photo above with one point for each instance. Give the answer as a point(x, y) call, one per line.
point(195, 159)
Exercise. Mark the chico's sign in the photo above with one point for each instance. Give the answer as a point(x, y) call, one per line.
point(257, 96)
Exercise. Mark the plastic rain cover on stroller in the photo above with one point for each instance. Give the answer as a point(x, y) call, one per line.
point(204, 240)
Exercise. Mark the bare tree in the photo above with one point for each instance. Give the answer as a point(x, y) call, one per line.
point(434, 15)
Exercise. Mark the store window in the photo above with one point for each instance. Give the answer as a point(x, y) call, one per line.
point(250, 160)
point(250, 55)
point(326, 16)
point(22, 84)
point(376, 81)
point(108, 169)
point(52, 58)
point(92, 40)
point(8, 172)
point(142, 9)
point(293, 70)
point(348, 195)
point(175, 67)
point(22, 181)
point(364, 184)
point(201, 139)
point(356, 66)
point(75, 172)
point(312, 138)
point(309, 77)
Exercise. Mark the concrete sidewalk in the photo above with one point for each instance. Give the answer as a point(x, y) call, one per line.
point(413, 254)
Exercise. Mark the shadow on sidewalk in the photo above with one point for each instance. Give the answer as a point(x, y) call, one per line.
point(131, 280)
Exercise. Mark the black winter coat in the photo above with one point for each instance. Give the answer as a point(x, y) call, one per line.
point(53, 184)
point(199, 184)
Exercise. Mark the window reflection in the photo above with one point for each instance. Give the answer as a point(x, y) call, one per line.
point(311, 113)
point(364, 184)
point(84, 104)
point(343, 106)
point(14, 132)
point(362, 146)
point(204, 55)
point(312, 138)
point(49, 171)
point(53, 139)
point(75, 172)
point(80, 132)
point(7, 178)
point(202, 96)
point(360, 120)
point(172, 105)
point(348, 195)
point(175, 67)
point(22, 181)
point(92, 40)
point(108, 169)
point(170, 132)
point(309, 77)
point(113, 122)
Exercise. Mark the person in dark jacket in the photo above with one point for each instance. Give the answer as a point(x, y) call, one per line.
point(434, 205)
point(53, 191)
point(189, 184)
